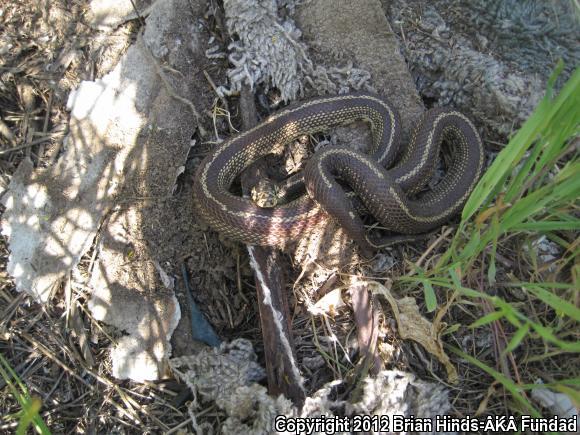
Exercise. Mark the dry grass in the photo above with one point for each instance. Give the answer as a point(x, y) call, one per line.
point(61, 353)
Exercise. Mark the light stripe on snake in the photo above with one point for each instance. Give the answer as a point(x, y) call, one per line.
point(385, 192)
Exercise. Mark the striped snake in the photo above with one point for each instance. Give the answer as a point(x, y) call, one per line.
point(389, 194)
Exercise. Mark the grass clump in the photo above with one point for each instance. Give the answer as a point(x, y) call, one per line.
point(494, 269)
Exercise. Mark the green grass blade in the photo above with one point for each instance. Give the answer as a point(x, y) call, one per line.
point(547, 334)
point(531, 189)
point(430, 298)
point(559, 304)
point(547, 226)
point(507, 383)
point(508, 158)
point(29, 414)
point(488, 318)
point(517, 338)
point(573, 382)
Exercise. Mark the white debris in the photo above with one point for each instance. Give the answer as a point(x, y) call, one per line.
point(558, 403)
point(227, 377)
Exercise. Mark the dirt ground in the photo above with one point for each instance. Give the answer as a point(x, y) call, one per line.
point(62, 353)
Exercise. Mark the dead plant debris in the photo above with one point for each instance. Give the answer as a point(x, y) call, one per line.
point(61, 352)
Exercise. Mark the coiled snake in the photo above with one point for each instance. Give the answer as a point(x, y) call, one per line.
point(386, 193)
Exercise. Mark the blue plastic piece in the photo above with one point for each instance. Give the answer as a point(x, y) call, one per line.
point(200, 327)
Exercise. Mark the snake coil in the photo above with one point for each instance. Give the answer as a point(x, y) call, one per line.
point(385, 186)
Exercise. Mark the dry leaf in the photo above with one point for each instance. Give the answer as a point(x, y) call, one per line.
point(328, 304)
point(415, 327)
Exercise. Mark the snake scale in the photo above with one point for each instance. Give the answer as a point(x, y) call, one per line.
point(386, 179)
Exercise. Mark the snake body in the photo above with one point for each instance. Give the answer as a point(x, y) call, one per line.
point(385, 192)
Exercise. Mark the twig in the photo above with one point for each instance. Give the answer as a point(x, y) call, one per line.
point(433, 245)
point(7, 313)
point(221, 98)
point(179, 426)
point(239, 278)
point(46, 119)
point(281, 367)
point(39, 346)
point(366, 319)
point(137, 13)
point(33, 142)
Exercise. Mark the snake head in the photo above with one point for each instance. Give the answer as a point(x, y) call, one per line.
point(265, 194)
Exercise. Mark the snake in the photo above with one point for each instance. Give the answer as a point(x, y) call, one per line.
point(388, 180)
